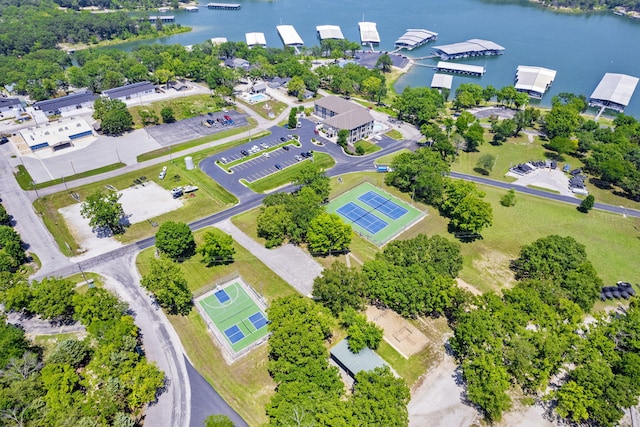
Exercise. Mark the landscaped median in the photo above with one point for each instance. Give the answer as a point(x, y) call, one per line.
point(227, 166)
point(285, 176)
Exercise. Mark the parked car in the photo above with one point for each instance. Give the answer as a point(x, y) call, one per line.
point(283, 139)
point(286, 148)
point(163, 173)
point(278, 166)
point(4, 140)
point(298, 158)
point(263, 145)
point(267, 155)
point(244, 152)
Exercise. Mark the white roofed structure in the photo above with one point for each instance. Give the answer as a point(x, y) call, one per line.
point(614, 91)
point(534, 81)
point(255, 39)
point(442, 81)
point(413, 38)
point(218, 40)
point(329, 32)
point(454, 67)
point(473, 47)
point(368, 32)
point(289, 35)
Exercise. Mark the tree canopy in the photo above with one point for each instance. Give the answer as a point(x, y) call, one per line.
point(166, 282)
point(104, 211)
point(175, 240)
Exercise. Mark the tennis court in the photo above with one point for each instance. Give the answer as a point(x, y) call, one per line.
point(373, 213)
point(237, 319)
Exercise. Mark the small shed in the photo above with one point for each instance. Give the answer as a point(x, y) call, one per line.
point(365, 360)
point(259, 88)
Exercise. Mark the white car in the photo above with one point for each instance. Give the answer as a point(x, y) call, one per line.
point(263, 145)
point(267, 155)
point(298, 158)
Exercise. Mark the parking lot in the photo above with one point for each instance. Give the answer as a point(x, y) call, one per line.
point(265, 164)
point(185, 130)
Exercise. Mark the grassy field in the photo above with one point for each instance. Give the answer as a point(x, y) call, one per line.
point(246, 384)
point(183, 107)
point(520, 150)
point(210, 198)
point(367, 147)
point(285, 176)
point(394, 134)
point(386, 160)
point(26, 182)
point(276, 107)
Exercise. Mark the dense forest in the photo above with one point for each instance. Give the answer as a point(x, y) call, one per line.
point(42, 25)
point(592, 4)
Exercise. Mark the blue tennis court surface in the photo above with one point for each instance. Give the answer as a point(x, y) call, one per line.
point(234, 334)
point(222, 296)
point(386, 206)
point(258, 320)
point(364, 219)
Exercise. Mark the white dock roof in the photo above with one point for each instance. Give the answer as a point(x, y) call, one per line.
point(442, 81)
point(413, 37)
point(473, 45)
point(534, 79)
point(369, 32)
point(616, 88)
point(289, 35)
point(218, 40)
point(255, 39)
point(329, 32)
point(463, 68)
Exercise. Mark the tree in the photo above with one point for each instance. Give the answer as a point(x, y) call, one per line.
point(343, 135)
point(328, 234)
point(487, 384)
point(52, 298)
point(114, 117)
point(360, 333)
point(217, 248)
point(272, 224)
point(339, 287)
point(312, 176)
point(71, 352)
point(474, 136)
point(587, 204)
point(168, 115)
point(562, 145)
point(166, 282)
point(218, 420)
point(509, 199)
point(104, 211)
point(380, 399)
point(485, 163)
point(5, 219)
point(293, 119)
point(12, 341)
point(549, 257)
point(421, 173)
point(175, 240)
point(296, 87)
point(373, 87)
point(384, 63)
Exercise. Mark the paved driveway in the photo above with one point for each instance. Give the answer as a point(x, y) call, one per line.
point(185, 130)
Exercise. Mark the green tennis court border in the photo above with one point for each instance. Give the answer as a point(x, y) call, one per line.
point(244, 302)
point(393, 228)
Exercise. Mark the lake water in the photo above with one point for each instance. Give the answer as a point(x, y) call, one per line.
point(581, 47)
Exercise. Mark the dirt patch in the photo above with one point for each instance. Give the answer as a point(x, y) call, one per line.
point(398, 332)
point(467, 287)
point(139, 204)
point(495, 267)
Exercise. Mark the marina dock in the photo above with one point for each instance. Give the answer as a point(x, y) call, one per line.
point(289, 36)
point(329, 32)
point(369, 33)
point(163, 18)
point(255, 39)
point(224, 6)
point(414, 38)
point(473, 47)
point(453, 67)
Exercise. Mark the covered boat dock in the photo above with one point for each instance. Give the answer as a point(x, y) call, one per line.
point(473, 47)
point(329, 32)
point(534, 81)
point(289, 35)
point(442, 81)
point(369, 33)
point(255, 39)
point(414, 38)
point(614, 92)
point(224, 6)
point(453, 67)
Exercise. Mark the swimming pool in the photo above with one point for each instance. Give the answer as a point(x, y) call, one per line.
point(378, 127)
point(254, 98)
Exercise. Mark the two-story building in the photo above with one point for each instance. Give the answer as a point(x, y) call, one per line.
point(338, 114)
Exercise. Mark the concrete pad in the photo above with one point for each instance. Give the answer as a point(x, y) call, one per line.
point(139, 204)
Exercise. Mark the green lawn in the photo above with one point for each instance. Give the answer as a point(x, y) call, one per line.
point(394, 134)
point(410, 369)
point(210, 198)
point(276, 107)
point(183, 107)
point(367, 147)
point(246, 384)
point(26, 182)
point(386, 160)
point(286, 175)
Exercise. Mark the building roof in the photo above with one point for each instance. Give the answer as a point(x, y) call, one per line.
point(236, 63)
point(289, 35)
point(255, 39)
point(260, 86)
point(534, 79)
point(77, 98)
point(128, 90)
point(460, 68)
point(369, 32)
point(218, 40)
point(9, 102)
point(56, 132)
point(336, 104)
point(350, 120)
point(616, 88)
point(473, 45)
point(442, 81)
point(413, 37)
point(329, 32)
point(365, 360)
